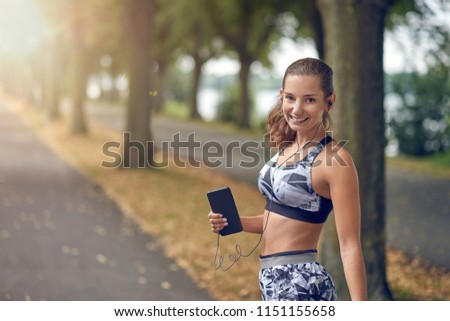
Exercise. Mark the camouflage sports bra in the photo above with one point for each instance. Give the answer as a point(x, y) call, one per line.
point(288, 189)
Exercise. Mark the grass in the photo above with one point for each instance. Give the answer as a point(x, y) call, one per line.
point(180, 111)
point(176, 109)
point(170, 203)
point(437, 165)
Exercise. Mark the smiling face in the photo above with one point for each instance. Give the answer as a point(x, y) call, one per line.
point(304, 103)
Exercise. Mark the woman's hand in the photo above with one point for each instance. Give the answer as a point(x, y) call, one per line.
point(217, 221)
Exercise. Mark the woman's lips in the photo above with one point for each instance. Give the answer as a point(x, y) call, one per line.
point(298, 119)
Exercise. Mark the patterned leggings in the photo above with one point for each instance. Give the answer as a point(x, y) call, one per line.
point(295, 276)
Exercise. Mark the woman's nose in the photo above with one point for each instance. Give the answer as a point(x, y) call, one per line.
point(297, 106)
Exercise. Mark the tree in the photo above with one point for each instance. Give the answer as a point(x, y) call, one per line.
point(138, 15)
point(249, 28)
point(354, 32)
point(192, 35)
point(86, 29)
point(421, 124)
point(309, 25)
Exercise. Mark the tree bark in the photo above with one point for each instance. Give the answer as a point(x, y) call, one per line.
point(52, 85)
point(79, 74)
point(199, 62)
point(79, 82)
point(316, 23)
point(78, 125)
point(354, 48)
point(244, 74)
point(138, 17)
point(162, 69)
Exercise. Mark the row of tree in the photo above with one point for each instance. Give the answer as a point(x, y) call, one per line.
point(145, 37)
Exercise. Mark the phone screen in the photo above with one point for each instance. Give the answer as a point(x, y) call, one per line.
point(222, 202)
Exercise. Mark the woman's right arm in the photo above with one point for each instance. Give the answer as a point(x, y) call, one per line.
point(250, 224)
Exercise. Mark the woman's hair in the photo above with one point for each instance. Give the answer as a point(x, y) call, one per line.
point(280, 132)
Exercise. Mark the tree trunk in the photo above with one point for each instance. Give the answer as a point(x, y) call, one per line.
point(162, 69)
point(194, 114)
point(80, 70)
point(244, 110)
point(315, 21)
point(52, 86)
point(79, 83)
point(354, 48)
point(138, 16)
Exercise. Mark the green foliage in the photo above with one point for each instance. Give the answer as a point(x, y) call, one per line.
point(422, 124)
point(250, 27)
point(398, 12)
point(176, 85)
point(227, 108)
point(191, 34)
point(426, 23)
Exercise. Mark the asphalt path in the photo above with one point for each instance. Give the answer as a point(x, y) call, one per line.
point(61, 238)
point(417, 205)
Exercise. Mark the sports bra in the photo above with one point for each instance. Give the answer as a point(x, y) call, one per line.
point(288, 189)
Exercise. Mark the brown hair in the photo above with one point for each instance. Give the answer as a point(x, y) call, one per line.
point(280, 132)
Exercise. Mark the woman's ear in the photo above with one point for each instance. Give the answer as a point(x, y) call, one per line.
point(331, 100)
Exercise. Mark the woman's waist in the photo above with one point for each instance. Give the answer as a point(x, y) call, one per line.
point(284, 235)
point(288, 257)
point(271, 251)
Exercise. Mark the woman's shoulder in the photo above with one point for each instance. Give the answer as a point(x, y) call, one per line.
point(336, 157)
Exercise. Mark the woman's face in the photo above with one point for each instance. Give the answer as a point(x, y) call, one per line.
point(303, 103)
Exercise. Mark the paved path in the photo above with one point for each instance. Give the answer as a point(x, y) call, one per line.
point(417, 205)
point(61, 238)
point(418, 215)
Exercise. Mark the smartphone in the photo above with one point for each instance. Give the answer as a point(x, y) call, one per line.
point(222, 202)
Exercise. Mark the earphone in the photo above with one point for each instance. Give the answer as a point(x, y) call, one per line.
point(235, 257)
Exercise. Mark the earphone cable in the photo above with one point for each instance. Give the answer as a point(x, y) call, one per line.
point(235, 257)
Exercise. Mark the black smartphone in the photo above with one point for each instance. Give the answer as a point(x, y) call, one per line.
point(222, 202)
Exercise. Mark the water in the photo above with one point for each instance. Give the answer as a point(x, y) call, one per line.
point(265, 99)
point(208, 100)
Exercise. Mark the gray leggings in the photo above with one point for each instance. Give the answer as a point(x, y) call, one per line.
point(295, 276)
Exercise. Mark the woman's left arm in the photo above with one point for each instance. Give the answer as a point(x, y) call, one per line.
point(344, 191)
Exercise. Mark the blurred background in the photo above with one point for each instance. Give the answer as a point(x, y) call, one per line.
point(131, 65)
point(195, 59)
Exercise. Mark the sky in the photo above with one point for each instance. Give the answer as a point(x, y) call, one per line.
point(21, 26)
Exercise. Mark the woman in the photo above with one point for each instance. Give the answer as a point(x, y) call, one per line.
point(308, 177)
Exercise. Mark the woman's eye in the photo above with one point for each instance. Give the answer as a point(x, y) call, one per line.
point(290, 98)
point(310, 100)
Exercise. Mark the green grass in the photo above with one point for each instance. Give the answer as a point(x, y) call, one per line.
point(180, 111)
point(176, 109)
point(437, 165)
point(441, 160)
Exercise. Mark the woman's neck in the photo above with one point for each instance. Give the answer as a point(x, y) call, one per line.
point(314, 136)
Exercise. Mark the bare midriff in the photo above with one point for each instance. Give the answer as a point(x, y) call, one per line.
point(284, 234)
